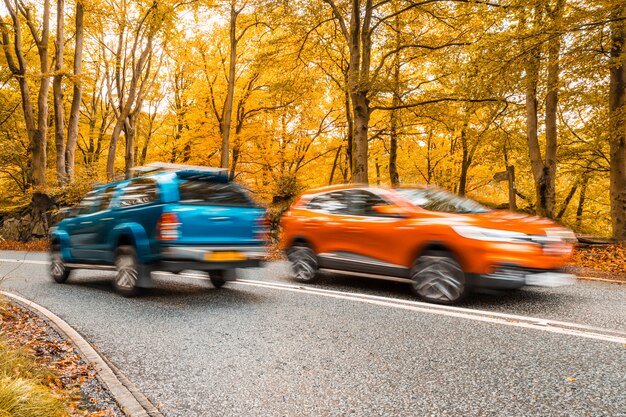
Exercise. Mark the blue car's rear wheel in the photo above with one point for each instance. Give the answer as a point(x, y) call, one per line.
point(217, 278)
point(129, 272)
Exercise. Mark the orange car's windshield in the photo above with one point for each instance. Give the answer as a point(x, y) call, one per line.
point(439, 200)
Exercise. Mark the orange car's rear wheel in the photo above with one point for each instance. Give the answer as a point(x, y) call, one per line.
point(438, 278)
point(303, 263)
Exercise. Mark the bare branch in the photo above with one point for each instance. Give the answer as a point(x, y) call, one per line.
point(437, 100)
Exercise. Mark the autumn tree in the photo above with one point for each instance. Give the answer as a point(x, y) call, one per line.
point(36, 126)
point(617, 115)
point(131, 87)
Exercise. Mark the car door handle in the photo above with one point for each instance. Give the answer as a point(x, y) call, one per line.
point(219, 219)
point(354, 229)
point(86, 222)
point(105, 219)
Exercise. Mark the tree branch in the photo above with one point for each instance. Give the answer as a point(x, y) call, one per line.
point(437, 100)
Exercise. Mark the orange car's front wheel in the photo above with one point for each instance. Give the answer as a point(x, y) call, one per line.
point(438, 278)
point(303, 263)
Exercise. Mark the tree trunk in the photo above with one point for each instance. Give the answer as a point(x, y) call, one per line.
point(241, 118)
point(466, 161)
point(57, 87)
point(101, 133)
point(350, 133)
point(394, 178)
point(235, 161)
point(144, 149)
point(358, 38)
point(228, 105)
point(581, 201)
point(359, 149)
point(72, 130)
point(358, 83)
point(129, 135)
point(510, 169)
point(334, 168)
point(126, 110)
point(377, 172)
point(567, 200)
point(538, 167)
point(187, 152)
point(19, 71)
point(617, 119)
point(552, 100)
point(38, 146)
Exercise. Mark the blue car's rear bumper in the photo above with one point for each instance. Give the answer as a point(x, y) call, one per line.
point(207, 258)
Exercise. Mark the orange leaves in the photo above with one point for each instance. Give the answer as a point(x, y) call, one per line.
point(610, 258)
point(38, 246)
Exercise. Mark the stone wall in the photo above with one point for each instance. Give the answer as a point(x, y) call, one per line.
point(31, 222)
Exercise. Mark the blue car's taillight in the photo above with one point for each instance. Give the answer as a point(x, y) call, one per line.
point(168, 227)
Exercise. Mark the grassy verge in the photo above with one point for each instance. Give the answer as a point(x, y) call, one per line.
point(40, 374)
point(26, 388)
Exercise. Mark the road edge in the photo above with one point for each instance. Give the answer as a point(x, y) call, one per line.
point(612, 281)
point(130, 400)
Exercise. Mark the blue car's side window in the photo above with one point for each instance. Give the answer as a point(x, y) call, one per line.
point(89, 204)
point(137, 192)
point(106, 197)
point(207, 192)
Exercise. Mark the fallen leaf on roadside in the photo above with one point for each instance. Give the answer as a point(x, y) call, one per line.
point(610, 258)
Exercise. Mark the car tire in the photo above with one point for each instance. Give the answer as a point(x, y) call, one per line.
point(217, 278)
point(129, 272)
point(304, 263)
point(438, 278)
point(58, 270)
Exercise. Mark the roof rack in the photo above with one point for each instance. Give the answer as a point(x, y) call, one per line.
point(154, 167)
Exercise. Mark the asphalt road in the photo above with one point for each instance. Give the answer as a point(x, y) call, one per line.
point(250, 350)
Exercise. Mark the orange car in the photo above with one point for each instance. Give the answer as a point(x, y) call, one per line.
point(442, 244)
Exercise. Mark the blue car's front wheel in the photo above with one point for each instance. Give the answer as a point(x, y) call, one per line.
point(58, 271)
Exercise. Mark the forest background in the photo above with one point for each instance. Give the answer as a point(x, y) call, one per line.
point(518, 104)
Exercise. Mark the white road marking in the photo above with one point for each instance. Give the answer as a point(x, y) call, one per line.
point(25, 261)
point(552, 326)
point(566, 328)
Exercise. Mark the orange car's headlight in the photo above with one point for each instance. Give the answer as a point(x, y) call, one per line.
point(561, 234)
point(491, 235)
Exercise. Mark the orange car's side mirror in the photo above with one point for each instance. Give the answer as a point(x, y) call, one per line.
point(390, 211)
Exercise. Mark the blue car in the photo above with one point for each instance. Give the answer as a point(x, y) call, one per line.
point(170, 218)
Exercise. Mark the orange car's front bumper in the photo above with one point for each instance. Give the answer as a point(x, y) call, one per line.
point(499, 265)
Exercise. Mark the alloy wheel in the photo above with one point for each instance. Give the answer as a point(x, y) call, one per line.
point(57, 268)
point(303, 263)
point(438, 278)
point(128, 270)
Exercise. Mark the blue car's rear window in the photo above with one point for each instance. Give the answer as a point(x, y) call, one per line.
point(207, 192)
